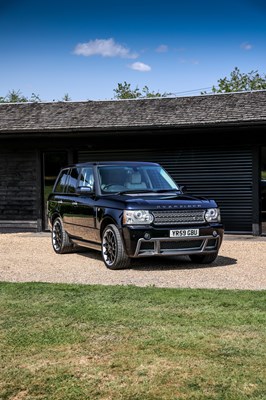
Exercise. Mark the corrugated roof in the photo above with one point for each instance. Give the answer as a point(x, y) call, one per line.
point(218, 109)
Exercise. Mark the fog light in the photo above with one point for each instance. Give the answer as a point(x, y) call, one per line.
point(214, 233)
point(147, 236)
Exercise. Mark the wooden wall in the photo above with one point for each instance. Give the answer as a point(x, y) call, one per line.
point(20, 189)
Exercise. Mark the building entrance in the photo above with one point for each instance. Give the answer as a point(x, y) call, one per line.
point(53, 161)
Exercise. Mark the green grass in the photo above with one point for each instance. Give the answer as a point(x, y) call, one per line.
point(124, 342)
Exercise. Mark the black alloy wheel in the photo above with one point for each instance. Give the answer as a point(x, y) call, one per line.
point(113, 252)
point(60, 240)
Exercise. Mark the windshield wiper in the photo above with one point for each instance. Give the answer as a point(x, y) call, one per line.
point(148, 191)
point(136, 191)
point(166, 190)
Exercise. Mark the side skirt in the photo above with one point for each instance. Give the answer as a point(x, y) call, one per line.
point(90, 245)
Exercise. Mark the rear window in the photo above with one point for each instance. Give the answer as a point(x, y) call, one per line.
point(72, 180)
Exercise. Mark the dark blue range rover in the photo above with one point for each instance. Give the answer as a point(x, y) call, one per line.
point(128, 210)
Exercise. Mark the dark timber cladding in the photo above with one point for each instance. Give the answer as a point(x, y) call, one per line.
point(18, 188)
point(209, 143)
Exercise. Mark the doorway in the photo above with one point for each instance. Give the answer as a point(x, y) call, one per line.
point(263, 190)
point(53, 161)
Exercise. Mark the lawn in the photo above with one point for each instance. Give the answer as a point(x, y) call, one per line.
point(125, 342)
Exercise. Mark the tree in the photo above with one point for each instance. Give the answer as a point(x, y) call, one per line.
point(15, 96)
point(147, 93)
point(124, 91)
point(239, 82)
point(66, 97)
point(34, 98)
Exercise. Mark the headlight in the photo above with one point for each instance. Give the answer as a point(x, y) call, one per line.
point(213, 215)
point(131, 217)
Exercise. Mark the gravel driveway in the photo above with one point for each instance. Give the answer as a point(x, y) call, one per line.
point(27, 257)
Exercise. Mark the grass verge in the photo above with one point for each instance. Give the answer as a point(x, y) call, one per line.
point(124, 342)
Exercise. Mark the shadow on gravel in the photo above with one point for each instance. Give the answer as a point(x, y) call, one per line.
point(163, 263)
point(178, 263)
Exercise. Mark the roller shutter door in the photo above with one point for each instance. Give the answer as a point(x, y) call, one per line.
point(223, 174)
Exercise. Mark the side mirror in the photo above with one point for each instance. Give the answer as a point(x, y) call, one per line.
point(84, 190)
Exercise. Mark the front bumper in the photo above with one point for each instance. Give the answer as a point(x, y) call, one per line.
point(160, 244)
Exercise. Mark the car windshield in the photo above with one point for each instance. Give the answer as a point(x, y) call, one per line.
point(143, 178)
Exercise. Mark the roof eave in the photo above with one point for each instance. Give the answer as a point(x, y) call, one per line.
point(107, 129)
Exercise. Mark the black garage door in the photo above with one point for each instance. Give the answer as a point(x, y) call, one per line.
point(223, 174)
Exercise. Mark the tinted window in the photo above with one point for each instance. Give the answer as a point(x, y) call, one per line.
point(62, 181)
point(73, 180)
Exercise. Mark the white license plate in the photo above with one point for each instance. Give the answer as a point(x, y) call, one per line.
point(184, 232)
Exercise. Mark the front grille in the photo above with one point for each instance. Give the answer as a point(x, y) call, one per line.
point(175, 217)
point(182, 244)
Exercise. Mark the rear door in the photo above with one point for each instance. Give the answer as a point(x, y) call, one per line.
point(68, 201)
point(83, 209)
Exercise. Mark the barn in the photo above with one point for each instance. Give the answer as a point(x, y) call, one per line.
point(214, 144)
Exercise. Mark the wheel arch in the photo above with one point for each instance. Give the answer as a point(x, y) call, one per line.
point(108, 220)
point(54, 216)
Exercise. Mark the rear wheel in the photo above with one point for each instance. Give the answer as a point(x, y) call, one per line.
point(113, 252)
point(60, 240)
point(203, 258)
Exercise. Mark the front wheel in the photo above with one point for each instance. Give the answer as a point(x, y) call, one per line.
point(203, 258)
point(113, 252)
point(60, 240)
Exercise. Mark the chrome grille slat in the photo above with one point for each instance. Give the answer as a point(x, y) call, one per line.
point(175, 217)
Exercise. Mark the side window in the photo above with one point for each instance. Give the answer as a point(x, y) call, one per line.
point(61, 182)
point(73, 180)
point(86, 178)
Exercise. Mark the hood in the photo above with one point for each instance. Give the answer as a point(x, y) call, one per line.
point(162, 201)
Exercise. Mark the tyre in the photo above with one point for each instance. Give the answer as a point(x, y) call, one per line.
point(113, 252)
point(203, 258)
point(60, 240)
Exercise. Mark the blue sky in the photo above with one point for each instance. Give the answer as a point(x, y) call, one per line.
point(85, 48)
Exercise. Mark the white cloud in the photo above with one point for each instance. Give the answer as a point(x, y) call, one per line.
point(246, 46)
point(104, 48)
point(163, 48)
point(139, 66)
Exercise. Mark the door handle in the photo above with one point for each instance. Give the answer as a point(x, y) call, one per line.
point(60, 202)
point(74, 203)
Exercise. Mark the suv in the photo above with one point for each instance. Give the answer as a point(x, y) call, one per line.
point(128, 210)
